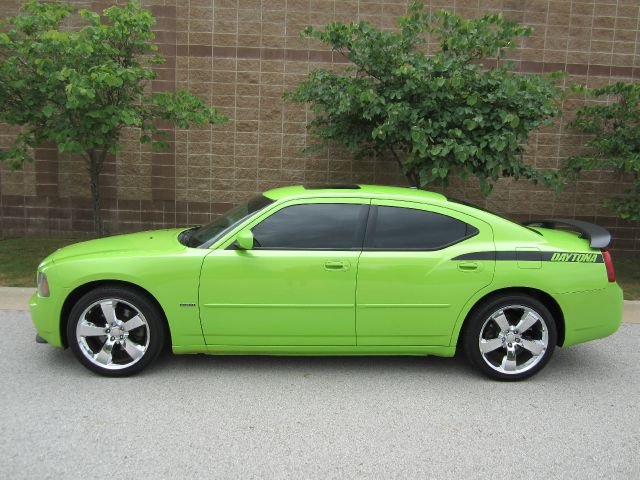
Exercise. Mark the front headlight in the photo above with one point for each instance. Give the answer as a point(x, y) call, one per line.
point(43, 285)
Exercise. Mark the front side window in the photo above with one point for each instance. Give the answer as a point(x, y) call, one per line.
point(318, 226)
point(397, 228)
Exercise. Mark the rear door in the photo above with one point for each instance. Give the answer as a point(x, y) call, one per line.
point(411, 288)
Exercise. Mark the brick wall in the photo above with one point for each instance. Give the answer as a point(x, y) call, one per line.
point(241, 55)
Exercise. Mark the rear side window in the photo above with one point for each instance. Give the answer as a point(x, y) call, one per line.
point(397, 228)
point(319, 226)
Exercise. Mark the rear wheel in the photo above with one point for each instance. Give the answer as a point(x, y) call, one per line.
point(115, 331)
point(510, 338)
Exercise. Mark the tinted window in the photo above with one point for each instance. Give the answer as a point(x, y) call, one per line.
point(313, 226)
point(397, 228)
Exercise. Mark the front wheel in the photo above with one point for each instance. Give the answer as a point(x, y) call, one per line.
point(510, 338)
point(115, 331)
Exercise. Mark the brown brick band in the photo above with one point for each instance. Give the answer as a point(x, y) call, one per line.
point(324, 56)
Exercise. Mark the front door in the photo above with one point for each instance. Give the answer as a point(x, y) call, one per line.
point(411, 288)
point(296, 286)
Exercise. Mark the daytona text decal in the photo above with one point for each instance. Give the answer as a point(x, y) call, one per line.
point(575, 257)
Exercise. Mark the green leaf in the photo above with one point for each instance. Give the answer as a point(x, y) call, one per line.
point(48, 110)
point(470, 124)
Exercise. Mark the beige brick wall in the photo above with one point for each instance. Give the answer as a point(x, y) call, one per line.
point(241, 55)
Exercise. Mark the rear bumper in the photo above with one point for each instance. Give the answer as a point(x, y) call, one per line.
point(45, 314)
point(591, 314)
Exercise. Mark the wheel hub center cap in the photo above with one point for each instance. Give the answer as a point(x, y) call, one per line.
point(510, 337)
point(117, 331)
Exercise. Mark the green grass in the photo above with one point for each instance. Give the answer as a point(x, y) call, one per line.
point(19, 258)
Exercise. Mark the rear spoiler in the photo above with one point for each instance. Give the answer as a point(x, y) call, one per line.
point(598, 236)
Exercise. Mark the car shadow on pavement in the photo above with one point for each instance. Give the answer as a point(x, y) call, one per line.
point(576, 360)
point(365, 364)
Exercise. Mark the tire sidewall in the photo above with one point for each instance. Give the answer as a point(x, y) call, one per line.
point(150, 311)
point(477, 319)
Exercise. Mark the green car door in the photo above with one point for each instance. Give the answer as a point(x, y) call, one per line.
point(296, 286)
point(411, 288)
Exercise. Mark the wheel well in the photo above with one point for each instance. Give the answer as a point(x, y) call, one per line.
point(76, 294)
point(546, 299)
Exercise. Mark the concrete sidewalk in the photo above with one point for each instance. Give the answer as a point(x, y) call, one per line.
point(12, 298)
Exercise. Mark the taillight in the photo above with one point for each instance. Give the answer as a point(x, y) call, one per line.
point(608, 263)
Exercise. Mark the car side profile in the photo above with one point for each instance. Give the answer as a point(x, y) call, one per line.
point(336, 270)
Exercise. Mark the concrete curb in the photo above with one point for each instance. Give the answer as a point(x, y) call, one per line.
point(14, 298)
point(631, 311)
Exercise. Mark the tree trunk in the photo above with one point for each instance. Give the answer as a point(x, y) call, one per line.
point(95, 166)
point(412, 176)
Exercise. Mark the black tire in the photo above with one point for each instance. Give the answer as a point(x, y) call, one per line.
point(479, 321)
point(126, 300)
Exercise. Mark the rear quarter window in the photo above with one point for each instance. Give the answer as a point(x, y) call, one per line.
point(399, 228)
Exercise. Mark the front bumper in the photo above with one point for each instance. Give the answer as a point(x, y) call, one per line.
point(45, 314)
point(591, 314)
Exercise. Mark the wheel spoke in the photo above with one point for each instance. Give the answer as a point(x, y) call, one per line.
point(109, 311)
point(509, 360)
point(134, 350)
point(104, 356)
point(87, 329)
point(536, 347)
point(528, 320)
point(487, 346)
point(502, 321)
point(133, 322)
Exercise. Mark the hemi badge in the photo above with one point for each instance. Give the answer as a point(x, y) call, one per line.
point(187, 304)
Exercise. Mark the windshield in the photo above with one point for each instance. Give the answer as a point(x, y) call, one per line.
point(205, 235)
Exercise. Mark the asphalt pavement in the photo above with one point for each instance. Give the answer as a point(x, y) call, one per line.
point(317, 417)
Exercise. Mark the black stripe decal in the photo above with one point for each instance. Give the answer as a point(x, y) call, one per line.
point(476, 256)
point(532, 256)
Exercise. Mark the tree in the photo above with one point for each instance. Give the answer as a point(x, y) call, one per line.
point(439, 114)
point(80, 87)
point(615, 141)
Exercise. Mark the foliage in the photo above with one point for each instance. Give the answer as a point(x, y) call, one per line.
point(615, 141)
point(439, 115)
point(79, 87)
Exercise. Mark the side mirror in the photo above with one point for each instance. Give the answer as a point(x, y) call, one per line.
point(245, 240)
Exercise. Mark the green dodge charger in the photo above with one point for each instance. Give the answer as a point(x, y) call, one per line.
point(336, 270)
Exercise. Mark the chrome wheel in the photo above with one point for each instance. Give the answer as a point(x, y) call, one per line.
point(112, 334)
point(513, 339)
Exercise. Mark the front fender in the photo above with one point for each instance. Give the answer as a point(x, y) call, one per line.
point(172, 279)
